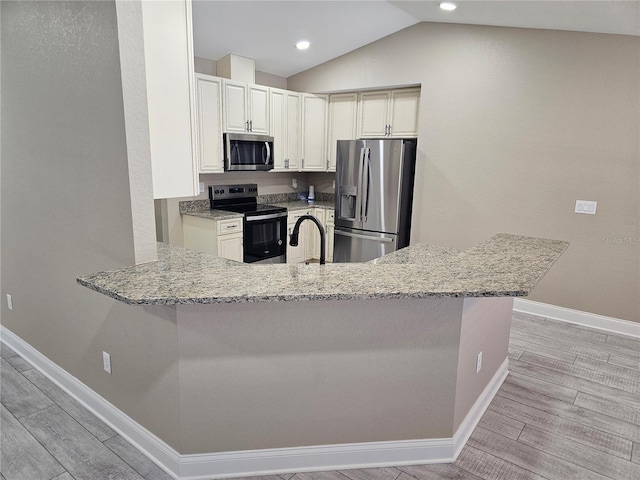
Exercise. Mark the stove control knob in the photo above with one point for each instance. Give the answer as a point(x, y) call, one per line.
point(279, 242)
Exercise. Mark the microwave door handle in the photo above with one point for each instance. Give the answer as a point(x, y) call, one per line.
point(267, 149)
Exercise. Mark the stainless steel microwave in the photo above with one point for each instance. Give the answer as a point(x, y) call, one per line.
point(247, 152)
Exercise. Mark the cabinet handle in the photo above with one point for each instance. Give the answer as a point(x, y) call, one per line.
point(247, 125)
point(302, 163)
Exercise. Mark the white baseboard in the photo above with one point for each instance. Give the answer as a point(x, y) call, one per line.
point(268, 461)
point(593, 320)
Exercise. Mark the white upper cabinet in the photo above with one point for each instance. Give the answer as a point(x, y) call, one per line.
point(168, 60)
point(246, 107)
point(403, 114)
point(373, 114)
point(285, 128)
point(209, 124)
point(314, 132)
point(258, 109)
point(343, 108)
point(390, 113)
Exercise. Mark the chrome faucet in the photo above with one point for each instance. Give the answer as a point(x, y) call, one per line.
point(296, 231)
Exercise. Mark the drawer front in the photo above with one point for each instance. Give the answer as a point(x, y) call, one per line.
point(233, 225)
point(294, 216)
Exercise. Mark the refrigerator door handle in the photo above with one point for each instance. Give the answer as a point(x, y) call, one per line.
point(365, 237)
point(363, 151)
point(365, 189)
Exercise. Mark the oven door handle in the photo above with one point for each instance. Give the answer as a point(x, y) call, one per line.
point(257, 218)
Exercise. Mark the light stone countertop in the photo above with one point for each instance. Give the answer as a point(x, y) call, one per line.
point(291, 206)
point(504, 265)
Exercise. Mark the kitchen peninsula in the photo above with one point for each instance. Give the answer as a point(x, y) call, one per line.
point(293, 367)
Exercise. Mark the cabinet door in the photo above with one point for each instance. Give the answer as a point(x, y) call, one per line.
point(235, 110)
point(372, 114)
point(343, 109)
point(209, 124)
point(315, 235)
point(293, 130)
point(170, 108)
point(314, 132)
point(230, 246)
point(330, 228)
point(258, 115)
point(278, 124)
point(403, 115)
point(296, 254)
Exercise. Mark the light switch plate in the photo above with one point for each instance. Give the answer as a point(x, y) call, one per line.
point(586, 206)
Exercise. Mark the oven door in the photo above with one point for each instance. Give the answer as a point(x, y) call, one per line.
point(265, 238)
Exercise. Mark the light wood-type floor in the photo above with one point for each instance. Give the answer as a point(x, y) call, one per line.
point(569, 409)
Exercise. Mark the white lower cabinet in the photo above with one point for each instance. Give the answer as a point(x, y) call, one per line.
point(309, 240)
point(297, 254)
point(222, 238)
point(330, 215)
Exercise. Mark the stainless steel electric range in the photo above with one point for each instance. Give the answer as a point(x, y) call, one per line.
point(264, 226)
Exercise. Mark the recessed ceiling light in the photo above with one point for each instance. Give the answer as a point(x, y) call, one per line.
point(302, 45)
point(448, 6)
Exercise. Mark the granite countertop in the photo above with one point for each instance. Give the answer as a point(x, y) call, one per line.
point(504, 265)
point(201, 209)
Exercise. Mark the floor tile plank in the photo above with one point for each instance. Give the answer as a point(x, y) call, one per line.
point(597, 389)
point(561, 345)
point(18, 394)
point(83, 416)
point(551, 329)
point(559, 328)
point(505, 426)
point(581, 372)
point(372, 473)
point(540, 336)
point(569, 411)
point(64, 476)
point(514, 353)
point(608, 407)
point(20, 364)
point(635, 455)
point(632, 374)
point(629, 343)
point(21, 456)
point(490, 467)
point(82, 455)
point(135, 459)
point(579, 454)
point(624, 361)
point(542, 350)
point(442, 471)
point(330, 475)
point(6, 351)
point(542, 387)
point(286, 476)
point(528, 457)
point(603, 441)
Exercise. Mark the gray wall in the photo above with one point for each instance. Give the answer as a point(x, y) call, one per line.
point(515, 126)
point(66, 208)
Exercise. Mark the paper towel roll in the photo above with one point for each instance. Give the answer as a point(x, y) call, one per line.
point(312, 193)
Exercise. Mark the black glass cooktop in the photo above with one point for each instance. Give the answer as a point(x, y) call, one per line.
point(257, 208)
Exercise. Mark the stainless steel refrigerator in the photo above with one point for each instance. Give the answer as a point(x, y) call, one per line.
point(374, 194)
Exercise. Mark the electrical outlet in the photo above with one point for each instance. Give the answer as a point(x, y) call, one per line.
point(334, 184)
point(294, 183)
point(586, 206)
point(479, 362)
point(201, 187)
point(9, 302)
point(106, 362)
